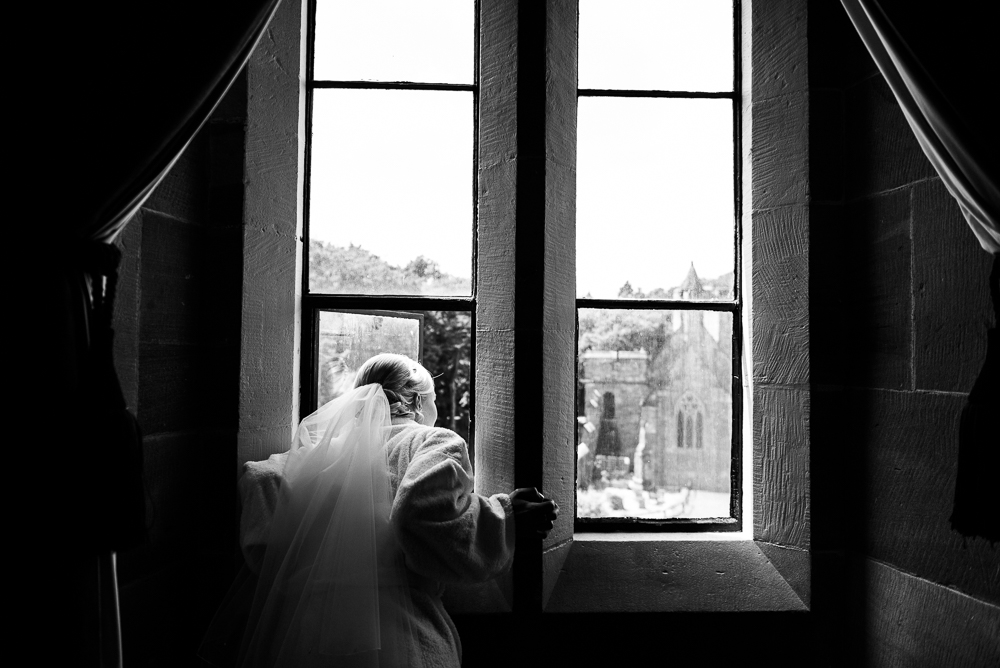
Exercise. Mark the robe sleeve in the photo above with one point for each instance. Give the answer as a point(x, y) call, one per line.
point(447, 531)
point(258, 498)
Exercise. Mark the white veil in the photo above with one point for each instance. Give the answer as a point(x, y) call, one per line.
point(333, 588)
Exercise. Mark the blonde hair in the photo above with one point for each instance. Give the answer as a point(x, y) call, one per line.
point(402, 380)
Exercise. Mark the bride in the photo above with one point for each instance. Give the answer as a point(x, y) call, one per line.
point(375, 512)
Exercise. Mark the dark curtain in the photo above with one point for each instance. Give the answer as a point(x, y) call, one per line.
point(939, 63)
point(124, 87)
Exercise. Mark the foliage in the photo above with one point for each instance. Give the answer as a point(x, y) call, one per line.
point(448, 356)
point(624, 329)
point(353, 270)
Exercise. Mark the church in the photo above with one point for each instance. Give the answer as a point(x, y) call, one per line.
point(866, 327)
point(680, 400)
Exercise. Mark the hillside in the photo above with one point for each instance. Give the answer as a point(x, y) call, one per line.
point(353, 270)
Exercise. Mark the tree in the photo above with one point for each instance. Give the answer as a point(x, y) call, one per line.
point(353, 270)
point(624, 329)
point(448, 356)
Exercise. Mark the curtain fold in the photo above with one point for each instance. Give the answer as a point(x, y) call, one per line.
point(125, 88)
point(939, 70)
point(962, 158)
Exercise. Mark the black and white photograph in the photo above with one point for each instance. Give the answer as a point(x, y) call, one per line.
point(443, 333)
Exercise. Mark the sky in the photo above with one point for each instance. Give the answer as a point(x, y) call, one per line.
point(392, 171)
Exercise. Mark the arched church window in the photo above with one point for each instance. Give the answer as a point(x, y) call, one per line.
point(690, 422)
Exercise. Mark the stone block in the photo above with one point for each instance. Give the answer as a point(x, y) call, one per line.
point(794, 565)
point(835, 446)
point(191, 282)
point(829, 293)
point(184, 191)
point(232, 108)
point(912, 622)
point(856, 62)
point(952, 309)
point(781, 295)
point(187, 387)
point(494, 411)
point(829, 31)
point(780, 48)
point(875, 270)
point(127, 314)
point(632, 576)
point(255, 445)
point(227, 148)
point(826, 146)
point(164, 614)
point(781, 466)
point(193, 503)
point(881, 151)
point(780, 151)
point(910, 463)
point(559, 431)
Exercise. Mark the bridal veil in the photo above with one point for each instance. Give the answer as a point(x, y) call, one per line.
point(333, 587)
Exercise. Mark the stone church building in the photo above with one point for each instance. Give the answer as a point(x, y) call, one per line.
point(681, 400)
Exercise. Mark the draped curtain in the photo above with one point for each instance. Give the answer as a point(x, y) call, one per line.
point(125, 88)
point(940, 63)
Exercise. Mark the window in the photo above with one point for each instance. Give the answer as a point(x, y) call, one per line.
point(390, 196)
point(658, 183)
point(525, 315)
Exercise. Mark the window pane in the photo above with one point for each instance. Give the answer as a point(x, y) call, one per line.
point(431, 41)
point(655, 201)
point(655, 414)
point(347, 340)
point(391, 192)
point(682, 45)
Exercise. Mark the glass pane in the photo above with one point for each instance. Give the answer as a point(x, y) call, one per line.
point(655, 413)
point(391, 192)
point(448, 356)
point(655, 201)
point(682, 45)
point(431, 41)
point(347, 340)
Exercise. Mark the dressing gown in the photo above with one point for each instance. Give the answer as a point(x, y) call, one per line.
point(447, 532)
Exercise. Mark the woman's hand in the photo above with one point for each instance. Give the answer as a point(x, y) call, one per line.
point(533, 511)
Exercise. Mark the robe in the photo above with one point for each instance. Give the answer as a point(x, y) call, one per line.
point(447, 532)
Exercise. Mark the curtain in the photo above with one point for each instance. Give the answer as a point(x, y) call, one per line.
point(939, 63)
point(125, 87)
point(945, 126)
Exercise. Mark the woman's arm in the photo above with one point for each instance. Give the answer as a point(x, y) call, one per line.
point(447, 531)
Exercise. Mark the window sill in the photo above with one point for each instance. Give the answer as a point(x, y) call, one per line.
point(675, 573)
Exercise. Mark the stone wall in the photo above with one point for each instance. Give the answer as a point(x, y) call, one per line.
point(177, 322)
point(898, 312)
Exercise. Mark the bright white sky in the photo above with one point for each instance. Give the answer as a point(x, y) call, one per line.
point(654, 192)
point(432, 41)
point(392, 170)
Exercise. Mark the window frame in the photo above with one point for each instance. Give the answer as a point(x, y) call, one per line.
point(525, 352)
point(313, 303)
point(734, 306)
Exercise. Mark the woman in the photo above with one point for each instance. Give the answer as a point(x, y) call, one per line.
point(375, 514)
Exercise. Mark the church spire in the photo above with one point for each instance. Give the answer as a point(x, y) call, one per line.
point(691, 287)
